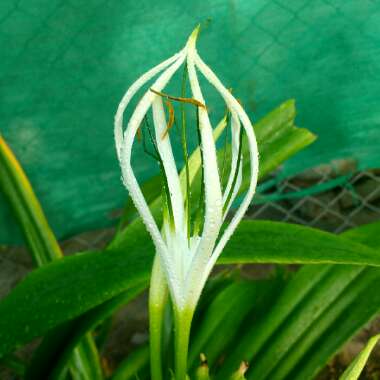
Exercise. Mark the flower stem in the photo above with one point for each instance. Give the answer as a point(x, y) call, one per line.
point(158, 295)
point(182, 320)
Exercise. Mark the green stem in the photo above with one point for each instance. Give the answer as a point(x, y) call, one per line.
point(182, 325)
point(158, 295)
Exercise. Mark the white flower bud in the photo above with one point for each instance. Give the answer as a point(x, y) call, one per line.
point(187, 262)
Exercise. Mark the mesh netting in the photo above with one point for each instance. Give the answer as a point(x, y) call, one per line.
point(66, 64)
point(353, 203)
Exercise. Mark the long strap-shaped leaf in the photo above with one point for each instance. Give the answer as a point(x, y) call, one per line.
point(76, 284)
point(315, 306)
point(356, 367)
point(315, 314)
point(43, 245)
point(234, 299)
point(133, 364)
point(327, 327)
point(354, 316)
point(54, 352)
point(16, 187)
point(226, 313)
point(285, 243)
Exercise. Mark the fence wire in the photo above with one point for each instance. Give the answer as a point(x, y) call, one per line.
point(65, 65)
point(353, 202)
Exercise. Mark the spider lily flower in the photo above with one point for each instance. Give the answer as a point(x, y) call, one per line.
point(187, 257)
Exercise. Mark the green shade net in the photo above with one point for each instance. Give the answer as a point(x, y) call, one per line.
point(66, 64)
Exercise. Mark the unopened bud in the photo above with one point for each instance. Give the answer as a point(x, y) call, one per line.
point(239, 374)
point(203, 370)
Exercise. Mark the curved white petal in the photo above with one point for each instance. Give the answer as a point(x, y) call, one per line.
point(130, 180)
point(213, 193)
point(118, 125)
point(165, 150)
point(233, 105)
point(195, 160)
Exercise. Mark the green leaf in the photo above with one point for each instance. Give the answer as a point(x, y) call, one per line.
point(67, 288)
point(54, 352)
point(283, 145)
point(135, 362)
point(227, 313)
point(356, 367)
point(84, 369)
point(285, 243)
point(234, 299)
point(367, 234)
point(214, 285)
point(359, 311)
point(278, 119)
point(307, 290)
point(42, 243)
point(317, 312)
point(16, 187)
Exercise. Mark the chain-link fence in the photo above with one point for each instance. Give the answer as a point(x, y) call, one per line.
point(353, 202)
point(350, 200)
point(66, 64)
